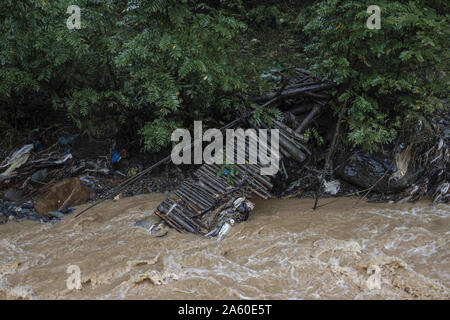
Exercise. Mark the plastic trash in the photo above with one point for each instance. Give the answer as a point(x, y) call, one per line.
point(115, 157)
point(17, 159)
point(225, 172)
point(332, 186)
point(225, 229)
point(69, 140)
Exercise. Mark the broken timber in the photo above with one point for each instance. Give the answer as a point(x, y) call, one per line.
point(198, 204)
point(192, 207)
point(195, 205)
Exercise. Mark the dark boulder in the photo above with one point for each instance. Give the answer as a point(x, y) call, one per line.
point(13, 194)
point(366, 170)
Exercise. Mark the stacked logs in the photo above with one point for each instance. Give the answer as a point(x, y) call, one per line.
point(300, 86)
point(304, 93)
point(187, 209)
point(195, 200)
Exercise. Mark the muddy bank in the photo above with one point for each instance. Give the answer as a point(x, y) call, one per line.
point(284, 251)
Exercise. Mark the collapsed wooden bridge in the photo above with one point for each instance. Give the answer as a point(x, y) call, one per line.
point(217, 195)
point(196, 203)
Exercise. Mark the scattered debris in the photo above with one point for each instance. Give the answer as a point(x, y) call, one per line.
point(153, 224)
point(56, 214)
point(40, 175)
point(69, 140)
point(331, 187)
point(42, 184)
point(210, 205)
point(12, 211)
point(226, 227)
point(16, 160)
point(13, 194)
point(115, 157)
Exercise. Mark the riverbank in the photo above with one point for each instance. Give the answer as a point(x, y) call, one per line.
point(284, 251)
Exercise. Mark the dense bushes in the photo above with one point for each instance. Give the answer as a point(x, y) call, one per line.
point(390, 77)
point(180, 62)
point(149, 66)
point(71, 69)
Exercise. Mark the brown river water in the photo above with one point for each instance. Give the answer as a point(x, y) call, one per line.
point(284, 251)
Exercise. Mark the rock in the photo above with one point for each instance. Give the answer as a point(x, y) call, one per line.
point(15, 211)
point(27, 211)
point(39, 175)
point(152, 224)
point(365, 170)
point(56, 214)
point(67, 193)
point(13, 194)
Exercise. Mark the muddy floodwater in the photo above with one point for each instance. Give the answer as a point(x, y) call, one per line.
point(284, 251)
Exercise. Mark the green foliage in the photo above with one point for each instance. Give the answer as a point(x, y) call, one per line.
point(179, 63)
point(148, 64)
point(41, 57)
point(396, 72)
point(156, 133)
point(262, 117)
point(312, 132)
point(145, 67)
